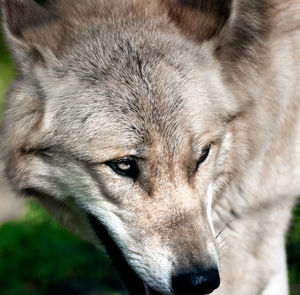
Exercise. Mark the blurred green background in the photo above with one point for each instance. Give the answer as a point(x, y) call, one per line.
point(38, 257)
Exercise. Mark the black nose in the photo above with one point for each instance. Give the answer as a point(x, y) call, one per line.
point(198, 281)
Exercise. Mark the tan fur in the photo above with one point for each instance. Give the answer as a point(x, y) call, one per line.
point(160, 82)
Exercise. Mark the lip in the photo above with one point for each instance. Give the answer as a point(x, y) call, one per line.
point(131, 280)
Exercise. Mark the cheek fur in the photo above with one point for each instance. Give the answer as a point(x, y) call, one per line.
point(209, 196)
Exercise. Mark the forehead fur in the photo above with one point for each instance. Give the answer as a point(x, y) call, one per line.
point(128, 83)
point(122, 73)
point(125, 71)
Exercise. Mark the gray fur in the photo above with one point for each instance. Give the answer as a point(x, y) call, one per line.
point(100, 80)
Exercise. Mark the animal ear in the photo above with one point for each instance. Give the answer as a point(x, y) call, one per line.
point(199, 19)
point(30, 28)
point(237, 26)
point(246, 29)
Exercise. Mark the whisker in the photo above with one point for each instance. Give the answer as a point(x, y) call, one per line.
point(226, 226)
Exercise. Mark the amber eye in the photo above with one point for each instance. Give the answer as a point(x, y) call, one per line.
point(204, 155)
point(124, 167)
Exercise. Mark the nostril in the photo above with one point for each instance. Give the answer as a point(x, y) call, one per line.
point(198, 281)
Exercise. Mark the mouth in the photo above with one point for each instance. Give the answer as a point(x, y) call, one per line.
point(131, 280)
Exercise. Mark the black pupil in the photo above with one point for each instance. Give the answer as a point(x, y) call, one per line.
point(204, 155)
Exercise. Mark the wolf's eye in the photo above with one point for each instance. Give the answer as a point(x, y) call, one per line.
point(124, 167)
point(204, 155)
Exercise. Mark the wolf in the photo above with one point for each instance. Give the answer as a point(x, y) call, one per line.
point(166, 130)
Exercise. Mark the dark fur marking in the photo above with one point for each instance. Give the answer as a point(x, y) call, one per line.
point(34, 192)
point(85, 118)
point(247, 33)
point(33, 15)
point(37, 56)
point(59, 71)
point(200, 20)
point(35, 151)
point(39, 90)
point(220, 7)
point(89, 168)
point(234, 214)
point(132, 282)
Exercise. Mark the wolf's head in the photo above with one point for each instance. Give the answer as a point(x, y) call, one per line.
point(122, 121)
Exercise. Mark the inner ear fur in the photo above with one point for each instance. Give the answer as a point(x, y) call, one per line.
point(29, 26)
point(200, 19)
point(239, 27)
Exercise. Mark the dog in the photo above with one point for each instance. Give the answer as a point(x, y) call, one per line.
point(166, 130)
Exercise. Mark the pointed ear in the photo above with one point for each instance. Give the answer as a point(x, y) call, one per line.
point(245, 31)
point(30, 28)
point(238, 27)
point(199, 19)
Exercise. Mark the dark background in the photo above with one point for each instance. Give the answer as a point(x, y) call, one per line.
point(38, 257)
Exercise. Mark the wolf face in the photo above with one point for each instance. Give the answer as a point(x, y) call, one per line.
point(122, 123)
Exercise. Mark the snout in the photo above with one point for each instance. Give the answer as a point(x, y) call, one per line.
point(196, 281)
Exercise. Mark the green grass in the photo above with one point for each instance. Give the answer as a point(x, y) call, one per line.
point(37, 255)
point(7, 72)
point(293, 250)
